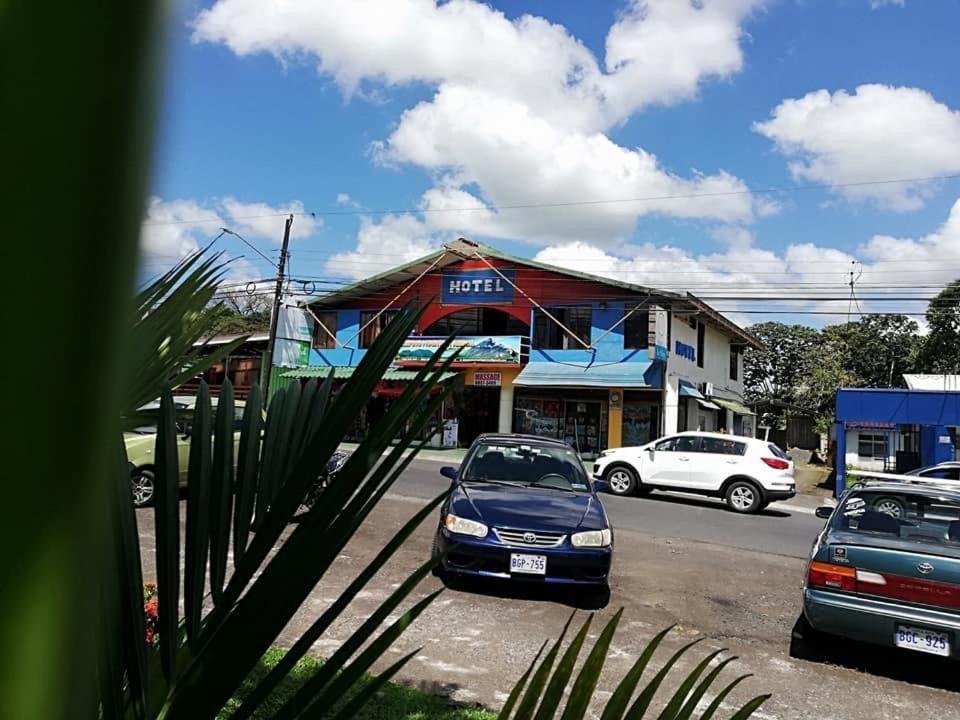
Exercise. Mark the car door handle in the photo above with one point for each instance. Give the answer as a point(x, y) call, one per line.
point(732, 462)
point(683, 459)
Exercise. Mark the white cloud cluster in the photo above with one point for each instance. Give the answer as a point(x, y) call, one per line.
point(874, 4)
point(743, 268)
point(878, 132)
point(395, 240)
point(173, 229)
point(521, 107)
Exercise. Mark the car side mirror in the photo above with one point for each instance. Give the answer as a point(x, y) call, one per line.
point(449, 471)
point(823, 512)
point(601, 486)
point(651, 452)
point(789, 456)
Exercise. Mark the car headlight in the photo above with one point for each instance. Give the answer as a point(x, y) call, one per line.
point(462, 526)
point(592, 538)
point(605, 453)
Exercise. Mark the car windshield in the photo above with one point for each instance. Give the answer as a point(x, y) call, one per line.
point(915, 517)
point(527, 465)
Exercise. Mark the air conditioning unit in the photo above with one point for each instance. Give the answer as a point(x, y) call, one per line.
point(705, 388)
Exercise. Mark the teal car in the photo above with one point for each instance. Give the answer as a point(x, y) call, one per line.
point(885, 570)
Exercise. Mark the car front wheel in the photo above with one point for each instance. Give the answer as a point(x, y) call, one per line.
point(743, 497)
point(622, 480)
point(142, 486)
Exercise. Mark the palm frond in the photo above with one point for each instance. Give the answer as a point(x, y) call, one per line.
point(549, 685)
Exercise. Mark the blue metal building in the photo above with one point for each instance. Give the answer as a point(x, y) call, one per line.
point(894, 430)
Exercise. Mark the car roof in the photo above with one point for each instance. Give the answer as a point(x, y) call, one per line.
point(722, 436)
point(519, 438)
point(913, 487)
point(945, 464)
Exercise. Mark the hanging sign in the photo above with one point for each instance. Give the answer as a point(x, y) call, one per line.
point(486, 379)
point(657, 336)
point(477, 287)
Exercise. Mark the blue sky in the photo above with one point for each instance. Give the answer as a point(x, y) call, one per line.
point(407, 105)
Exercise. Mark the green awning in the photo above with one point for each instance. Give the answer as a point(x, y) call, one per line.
point(344, 373)
point(733, 405)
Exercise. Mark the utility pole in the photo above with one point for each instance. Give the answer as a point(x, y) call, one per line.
point(275, 315)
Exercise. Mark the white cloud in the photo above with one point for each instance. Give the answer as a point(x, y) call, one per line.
point(345, 199)
point(393, 241)
point(874, 4)
point(172, 229)
point(877, 133)
point(521, 107)
point(515, 157)
point(262, 220)
point(744, 269)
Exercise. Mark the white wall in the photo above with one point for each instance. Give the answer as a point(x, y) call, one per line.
point(716, 370)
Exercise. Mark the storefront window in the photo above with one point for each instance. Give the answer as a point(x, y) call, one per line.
point(582, 423)
point(640, 423)
point(548, 335)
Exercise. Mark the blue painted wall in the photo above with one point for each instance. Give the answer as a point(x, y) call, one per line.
point(609, 348)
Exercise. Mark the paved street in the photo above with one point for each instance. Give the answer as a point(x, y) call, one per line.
point(731, 579)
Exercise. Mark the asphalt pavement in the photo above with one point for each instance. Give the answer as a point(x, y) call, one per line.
point(786, 528)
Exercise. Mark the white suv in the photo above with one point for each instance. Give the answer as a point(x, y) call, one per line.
point(748, 473)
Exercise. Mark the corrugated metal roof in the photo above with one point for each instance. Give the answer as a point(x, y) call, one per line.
point(612, 375)
point(343, 373)
point(950, 383)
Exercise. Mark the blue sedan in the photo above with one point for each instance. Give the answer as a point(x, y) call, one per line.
point(522, 508)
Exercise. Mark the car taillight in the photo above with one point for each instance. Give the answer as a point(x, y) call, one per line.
point(776, 463)
point(838, 577)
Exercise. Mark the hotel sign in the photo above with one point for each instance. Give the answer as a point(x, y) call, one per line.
point(477, 287)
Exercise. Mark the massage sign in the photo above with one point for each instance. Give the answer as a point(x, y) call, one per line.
point(477, 287)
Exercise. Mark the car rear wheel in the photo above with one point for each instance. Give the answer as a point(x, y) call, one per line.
point(743, 497)
point(890, 506)
point(142, 486)
point(622, 480)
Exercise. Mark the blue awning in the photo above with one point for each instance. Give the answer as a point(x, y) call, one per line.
point(687, 389)
point(645, 374)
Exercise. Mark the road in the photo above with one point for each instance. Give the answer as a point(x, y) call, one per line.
point(781, 529)
point(730, 580)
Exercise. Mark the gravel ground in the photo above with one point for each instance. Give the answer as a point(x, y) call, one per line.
point(478, 640)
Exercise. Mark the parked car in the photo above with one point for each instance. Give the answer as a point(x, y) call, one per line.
point(523, 508)
point(748, 473)
point(949, 470)
point(141, 442)
point(886, 578)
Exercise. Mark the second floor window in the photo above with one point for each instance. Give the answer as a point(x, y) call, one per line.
point(548, 335)
point(701, 342)
point(324, 330)
point(370, 329)
point(636, 329)
point(735, 362)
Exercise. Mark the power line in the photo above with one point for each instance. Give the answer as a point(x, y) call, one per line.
point(573, 203)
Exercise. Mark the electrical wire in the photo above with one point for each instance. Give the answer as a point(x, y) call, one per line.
point(577, 203)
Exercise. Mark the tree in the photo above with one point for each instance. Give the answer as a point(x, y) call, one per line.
point(828, 373)
point(776, 371)
point(940, 350)
point(876, 350)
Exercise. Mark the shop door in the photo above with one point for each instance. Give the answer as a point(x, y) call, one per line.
point(582, 427)
point(480, 413)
